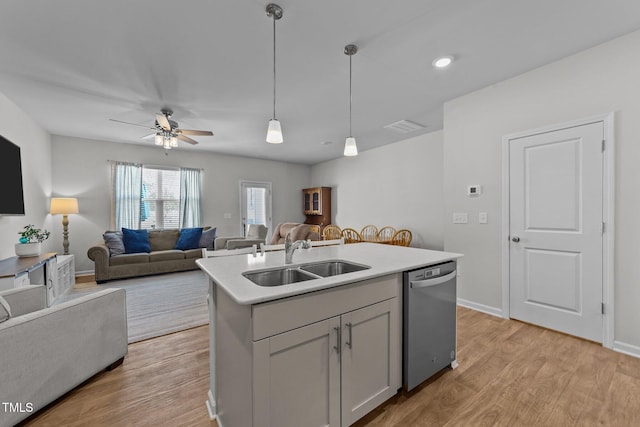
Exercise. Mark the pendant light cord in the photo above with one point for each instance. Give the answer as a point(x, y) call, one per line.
point(274, 66)
point(350, 96)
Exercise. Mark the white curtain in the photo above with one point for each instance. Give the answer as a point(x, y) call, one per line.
point(125, 200)
point(190, 197)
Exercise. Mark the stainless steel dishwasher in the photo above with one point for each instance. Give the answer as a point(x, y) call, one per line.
point(429, 324)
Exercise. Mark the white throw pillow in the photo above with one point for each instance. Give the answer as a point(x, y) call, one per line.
point(5, 311)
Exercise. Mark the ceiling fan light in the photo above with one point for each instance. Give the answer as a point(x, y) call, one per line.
point(274, 132)
point(173, 141)
point(159, 139)
point(350, 147)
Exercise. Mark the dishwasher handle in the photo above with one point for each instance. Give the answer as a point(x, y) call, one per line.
point(432, 282)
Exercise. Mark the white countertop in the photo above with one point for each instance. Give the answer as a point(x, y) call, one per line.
point(227, 271)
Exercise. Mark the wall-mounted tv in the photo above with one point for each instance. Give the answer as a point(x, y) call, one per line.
point(11, 194)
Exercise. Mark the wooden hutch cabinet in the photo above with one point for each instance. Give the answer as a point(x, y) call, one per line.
point(317, 206)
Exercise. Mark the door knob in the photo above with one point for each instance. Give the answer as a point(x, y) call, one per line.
point(515, 239)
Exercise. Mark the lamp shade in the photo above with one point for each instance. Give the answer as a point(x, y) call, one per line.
point(63, 205)
point(350, 147)
point(274, 133)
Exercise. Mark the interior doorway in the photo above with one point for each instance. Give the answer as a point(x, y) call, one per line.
point(255, 205)
point(558, 228)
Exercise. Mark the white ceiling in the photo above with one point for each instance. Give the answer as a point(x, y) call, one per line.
point(74, 64)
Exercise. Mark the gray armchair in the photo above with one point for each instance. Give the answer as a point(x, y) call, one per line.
point(256, 234)
point(47, 351)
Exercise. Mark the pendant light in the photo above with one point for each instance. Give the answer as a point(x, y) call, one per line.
point(274, 132)
point(350, 147)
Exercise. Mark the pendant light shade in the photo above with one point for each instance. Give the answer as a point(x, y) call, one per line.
point(159, 139)
point(350, 147)
point(274, 132)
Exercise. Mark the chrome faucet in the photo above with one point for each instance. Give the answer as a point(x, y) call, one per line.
point(290, 247)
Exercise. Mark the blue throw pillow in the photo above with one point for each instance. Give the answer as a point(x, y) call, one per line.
point(135, 241)
point(207, 238)
point(189, 239)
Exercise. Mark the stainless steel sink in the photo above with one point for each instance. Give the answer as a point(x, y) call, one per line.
point(333, 267)
point(288, 275)
point(278, 277)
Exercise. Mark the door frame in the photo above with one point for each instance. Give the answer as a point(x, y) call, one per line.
point(267, 185)
point(608, 215)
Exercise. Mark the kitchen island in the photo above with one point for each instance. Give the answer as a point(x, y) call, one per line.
point(324, 351)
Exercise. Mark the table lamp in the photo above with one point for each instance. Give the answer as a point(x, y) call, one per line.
point(64, 206)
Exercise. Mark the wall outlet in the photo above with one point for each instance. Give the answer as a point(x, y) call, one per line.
point(460, 218)
point(227, 216)
point(483, 218)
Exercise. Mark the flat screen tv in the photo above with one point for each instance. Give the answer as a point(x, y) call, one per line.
point(11, 195)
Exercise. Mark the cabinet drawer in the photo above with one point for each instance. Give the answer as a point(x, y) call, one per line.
point(278, 316)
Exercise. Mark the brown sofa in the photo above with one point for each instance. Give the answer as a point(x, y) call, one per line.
point(298, 232)
point(163, 258)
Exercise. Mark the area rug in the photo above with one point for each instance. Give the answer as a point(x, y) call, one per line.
point(162, 304)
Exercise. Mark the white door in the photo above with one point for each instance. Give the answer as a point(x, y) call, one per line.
point(255, 204)
point(556, 211)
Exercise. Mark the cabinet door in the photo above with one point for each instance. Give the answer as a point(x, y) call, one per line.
point(297, 377)
point(371, 370)
point(307, 201)
point(51, 280)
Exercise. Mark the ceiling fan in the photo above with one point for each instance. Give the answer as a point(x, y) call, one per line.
point(166, 131)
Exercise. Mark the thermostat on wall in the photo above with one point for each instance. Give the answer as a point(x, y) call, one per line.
point(474, 190)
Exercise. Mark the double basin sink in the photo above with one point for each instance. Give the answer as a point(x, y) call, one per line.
point(287, 275)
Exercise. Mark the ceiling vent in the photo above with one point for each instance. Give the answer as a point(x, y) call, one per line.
point(404, 126)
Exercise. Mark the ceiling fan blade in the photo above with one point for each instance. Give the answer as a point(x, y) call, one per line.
point(187, 139)
point(133, 124)
point(150, 136)
point(163, 122)
point(196, 132)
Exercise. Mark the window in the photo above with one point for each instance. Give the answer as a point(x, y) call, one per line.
point(155, 197)
point(160, 197)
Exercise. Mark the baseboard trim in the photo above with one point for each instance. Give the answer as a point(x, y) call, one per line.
point(480, 307)
point(85, 278)
point(629, 349)
point(211, 406)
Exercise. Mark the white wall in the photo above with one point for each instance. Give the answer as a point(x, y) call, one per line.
point(81, 169)
point(399, 184)
point(597, 81)
point(35, 150)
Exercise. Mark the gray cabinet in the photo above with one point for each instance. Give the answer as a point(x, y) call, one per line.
point(329, 373)
point(370, 374)
point(297, 377)
point(326, 358)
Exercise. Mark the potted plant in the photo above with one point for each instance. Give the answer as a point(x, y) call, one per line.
point(30, 240)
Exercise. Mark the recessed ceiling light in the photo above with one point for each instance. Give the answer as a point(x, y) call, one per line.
point(443, 62)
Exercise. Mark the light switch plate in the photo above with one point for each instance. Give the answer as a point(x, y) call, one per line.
point(460, 218)
point(483, 218)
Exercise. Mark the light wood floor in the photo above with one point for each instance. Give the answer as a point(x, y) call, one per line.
point(163, 382)
point(510, 374)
